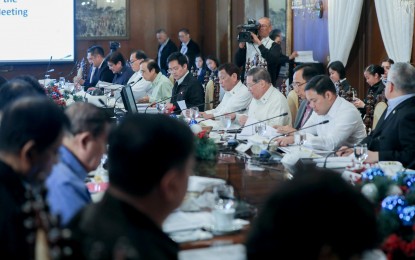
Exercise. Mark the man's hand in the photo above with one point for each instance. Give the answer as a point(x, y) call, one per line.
point(284, 129)
point(206, 116)
point(243, 119)
point(372, 157)
point(145, 99)
point(293, 55)
point(256, 39)
point(359, 103)
point(284, 141)
point(344, 151)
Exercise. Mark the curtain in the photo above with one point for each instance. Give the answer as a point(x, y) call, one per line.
point(397, 28)
point(343, 22)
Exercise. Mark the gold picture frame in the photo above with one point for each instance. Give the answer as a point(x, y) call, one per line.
point(102, 19)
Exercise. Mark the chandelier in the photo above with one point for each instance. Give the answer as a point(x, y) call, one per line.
point(408, 5)
point(313, 7)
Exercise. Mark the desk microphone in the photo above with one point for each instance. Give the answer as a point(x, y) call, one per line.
point(47, 68)
point(180, 110)
point(72, 70)
point(283, 114)
point(273, 138)
point(158, 102)
point(240, 110)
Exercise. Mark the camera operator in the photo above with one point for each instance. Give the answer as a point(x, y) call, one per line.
point(261, 44)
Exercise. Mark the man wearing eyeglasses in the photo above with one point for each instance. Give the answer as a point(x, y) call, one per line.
point(139, 85)
point(247, 51)
point(302, 74)
point(267, 101)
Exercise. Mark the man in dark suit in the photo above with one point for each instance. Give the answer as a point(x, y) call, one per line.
point(102, 72)
point(187, 87)
point(188, 47)
point(394, 136)
point(166, 47)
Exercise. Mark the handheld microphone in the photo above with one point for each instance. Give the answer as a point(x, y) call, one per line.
point(273, 138)
point(158, 102)
point(240, 110)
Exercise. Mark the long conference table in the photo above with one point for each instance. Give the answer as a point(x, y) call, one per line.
point(251, 184)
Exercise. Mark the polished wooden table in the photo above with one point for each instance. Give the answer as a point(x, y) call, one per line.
point(251, 186)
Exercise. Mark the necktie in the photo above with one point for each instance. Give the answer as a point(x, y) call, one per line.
point(92, 74)
point(306, 114)
point(183, 50)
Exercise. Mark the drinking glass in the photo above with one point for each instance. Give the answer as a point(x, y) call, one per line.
point(161, 107)
point(226, 122)
point(299, 139)
point(195, 112)
point(61, 82)
point(261, 129)
point(360, 153)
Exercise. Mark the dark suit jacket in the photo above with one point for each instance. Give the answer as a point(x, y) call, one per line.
point(394, 137)
point(103, 74)
point(167, 50)
point(13, 234)
point(300, 114)
point(275, 59)
point(201, 76)
point(118, 227)
point(192, 50)
point(193, 93)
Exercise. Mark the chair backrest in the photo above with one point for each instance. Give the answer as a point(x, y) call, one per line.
point(171, 79)
point(209, 94)
point(377, 113)
point(293, 104)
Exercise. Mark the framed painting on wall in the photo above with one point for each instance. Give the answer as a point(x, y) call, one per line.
point(102, 19)
point(280, 14)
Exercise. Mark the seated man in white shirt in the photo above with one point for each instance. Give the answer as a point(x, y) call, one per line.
point(267, 102)
point(345, 126)
point(139, 85)
point(236, 96)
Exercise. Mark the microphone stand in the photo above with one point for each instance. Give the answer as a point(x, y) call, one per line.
point(240, 110)
point(287, 134)
point(283, 114)
point(155, 103)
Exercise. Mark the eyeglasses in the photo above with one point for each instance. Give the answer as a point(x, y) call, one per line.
point(252, 85)
point(170, 70)
point(131, 62)
point(296, 84)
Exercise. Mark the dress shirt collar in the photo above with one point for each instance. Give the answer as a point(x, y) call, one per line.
point(185, 43)
point(333, 111)
point(394, 102)
point(100, 65)
point(157, 78)
point(267, 95)
point(68, 158)
point(236, 88)
point(179, 81)
point(165, 43)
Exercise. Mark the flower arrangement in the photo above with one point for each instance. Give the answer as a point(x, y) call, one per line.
point(396, 211)
point(62, 98)
point(206, 148)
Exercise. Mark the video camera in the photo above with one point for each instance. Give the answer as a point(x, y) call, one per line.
point(245, 34)
point(114, 46)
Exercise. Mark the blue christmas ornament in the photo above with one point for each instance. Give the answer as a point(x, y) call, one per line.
point(192, 121)
point(394, 203)
point(371, 173)
point(173, 115)
point(409, 180)
point(406, 215)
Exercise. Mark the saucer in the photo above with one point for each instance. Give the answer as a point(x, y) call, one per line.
point(236, 227)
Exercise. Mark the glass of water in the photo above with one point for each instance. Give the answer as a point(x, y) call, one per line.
point(299, 139)
point(261, 129)
point(61, 82)
point(226, 122)
point(360, 153)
